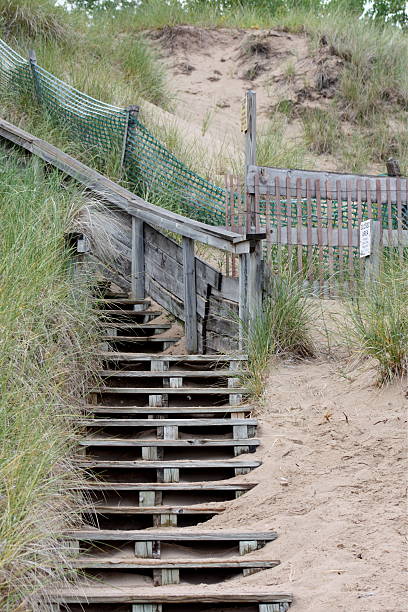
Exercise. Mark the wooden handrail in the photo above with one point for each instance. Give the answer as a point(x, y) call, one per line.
point(220, 238)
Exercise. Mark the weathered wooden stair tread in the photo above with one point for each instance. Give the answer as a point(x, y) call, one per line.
point(193, 442)
point(122, 300)
point(125, 356)
point(166, 486)
point(112, 422)
point(179, 510)
point(172, 535)
point(153, 338)
point(90, 593)
point(173, 391)
point(153, 410)
point(105, 313)
point(171, 373)
point(127, 325)
point(171, 463)
point(138, 563)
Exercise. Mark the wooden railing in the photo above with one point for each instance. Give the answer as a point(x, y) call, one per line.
point(244, 246)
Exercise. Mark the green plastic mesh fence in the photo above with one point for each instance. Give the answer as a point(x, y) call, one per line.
point(149, 165)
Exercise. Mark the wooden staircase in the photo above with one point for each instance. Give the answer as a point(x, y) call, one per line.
point(163, 436)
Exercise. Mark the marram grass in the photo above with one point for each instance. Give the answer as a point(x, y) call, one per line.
point(46, 342)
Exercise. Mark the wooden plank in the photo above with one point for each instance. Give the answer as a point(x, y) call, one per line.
point(250, 150)
point(340, 230)
point(399, 221)
point(193, 410)
point(299, 223)
point(168, 390)
point(169, 536)
point(319, 234)
point(230, 422)
point(116, 194)
point(188, 443)
point(149, 563)
point(179, 464)
point(122, 508)
point(165, 486)
point(137, 274)
point(190, 298)
point(121, 356)
point(174, 373)
point(309, 229)
point(350, 232)
point(289, 219)
point(100, 594)
point(268, 175)
point(330, 235)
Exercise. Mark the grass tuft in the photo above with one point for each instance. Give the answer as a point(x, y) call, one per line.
point(33, 18)
point(281, 328)
point(377, 322)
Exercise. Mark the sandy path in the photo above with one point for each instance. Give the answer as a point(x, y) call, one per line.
point(333, 485)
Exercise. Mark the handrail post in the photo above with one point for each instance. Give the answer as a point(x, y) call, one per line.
point(250, 285)
point(132, 113)
point(250, 151)
point(190, 295)
point(32, 60)
point(137, 260)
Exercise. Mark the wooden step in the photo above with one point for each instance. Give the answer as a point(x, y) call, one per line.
point(176, 464)
point(187, 443)
point(114, 312)
point(88, 592)
point(173, 510)
point(172, 390)
point(160, 410)
point(171, 373)
point(125, 356)
point(122, 301)
point(166, 486)
point(151, 423)
point(170, 535)
point(126, 325)
point(136, 339)
point(138, 563)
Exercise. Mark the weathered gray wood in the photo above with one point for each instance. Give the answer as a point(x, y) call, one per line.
point(189, 443)
point(190, 298)
point(157, 410)
point(93, 594)
point(32, 60)
point(175, 375)
point(252, 539)
point(247, 546)
point(170, 425)
point(368, 187)
point(170, 391)
point(165, 510)
point(250, 146)
point(179, 464)
point(113, 356)
point(147, 498)
point(148, 563)
point(169, 486)
point(138, 264)
point(131, 116)
point(147, 607)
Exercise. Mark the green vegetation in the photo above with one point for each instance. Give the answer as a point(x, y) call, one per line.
point(377, 322)
point(282, 328)
point(47, 341)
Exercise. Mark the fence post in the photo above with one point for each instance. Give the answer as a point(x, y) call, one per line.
point(250, 285)
point(32, 60)
point(132, 113)
point(190, 295)
point(372, 262)
point(137, 273)
point(250, 148)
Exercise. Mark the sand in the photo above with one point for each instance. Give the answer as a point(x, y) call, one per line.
point(332, 485)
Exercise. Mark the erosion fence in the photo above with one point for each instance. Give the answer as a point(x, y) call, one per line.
point(148, 164)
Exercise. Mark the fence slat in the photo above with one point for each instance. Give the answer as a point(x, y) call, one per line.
point(319, 232)
point(299, 223)
point(289, 219)
point(330, 250)
point(399, 220)
point(309, 229)
point(389, 212)
point(379, 207)
point(350, 232)
point(268, 223)
point(257, 211)
point(339, 228)
point(359, 220)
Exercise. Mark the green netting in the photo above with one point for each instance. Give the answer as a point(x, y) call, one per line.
point(149, 165)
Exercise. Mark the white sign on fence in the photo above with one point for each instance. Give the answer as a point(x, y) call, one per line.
point(365, 238)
